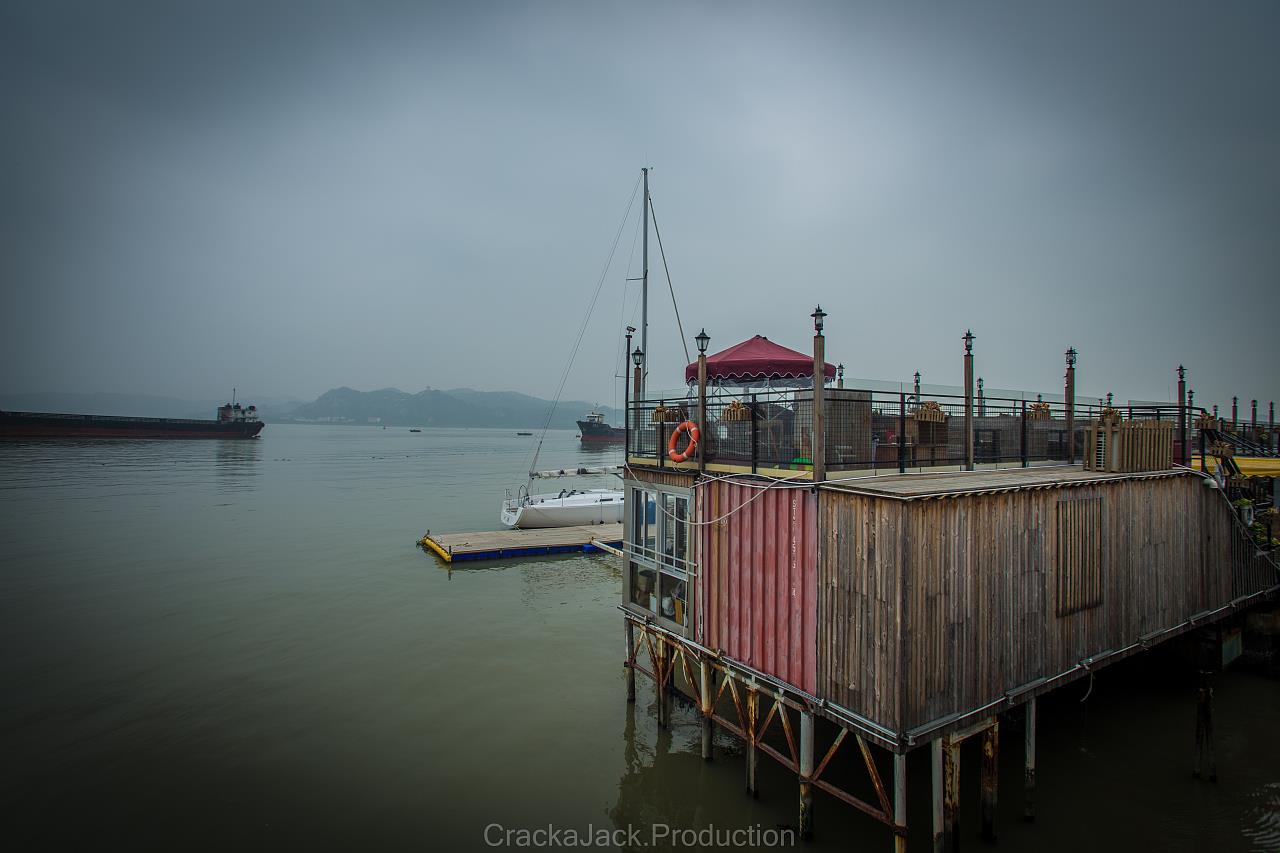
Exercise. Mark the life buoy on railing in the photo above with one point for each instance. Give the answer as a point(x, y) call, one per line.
point(680, 456)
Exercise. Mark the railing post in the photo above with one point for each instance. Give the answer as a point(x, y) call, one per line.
point(902, 432)
point(755, 434)
point(968, 401)
point(818, 449)
point(1071, 406)
point(1182, 415)
point(1023, 448)
point(661, 431)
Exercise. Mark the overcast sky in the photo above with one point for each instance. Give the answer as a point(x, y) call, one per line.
point(287, 197)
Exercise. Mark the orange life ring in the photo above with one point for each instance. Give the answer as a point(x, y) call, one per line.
point(691, 428)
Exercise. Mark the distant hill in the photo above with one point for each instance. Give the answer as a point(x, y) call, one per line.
point(459, 407)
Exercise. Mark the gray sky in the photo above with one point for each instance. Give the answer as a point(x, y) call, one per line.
point(287, 197)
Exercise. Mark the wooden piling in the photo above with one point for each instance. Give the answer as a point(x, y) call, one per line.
point(951, 795)
point(900, 802)
point(937, 794)
point(990, 779)
point(631, 657)
point(806, 774)
point(753, 757)
point(1204, 730)
point(1029, 772)
point(704, 674)
point(660, 675)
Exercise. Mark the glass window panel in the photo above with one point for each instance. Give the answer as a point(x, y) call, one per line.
point(672, 602)
point(682, 528)
point(643, 587)
point(650, 517)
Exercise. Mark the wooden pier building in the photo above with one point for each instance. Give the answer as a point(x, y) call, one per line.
point(815, 557)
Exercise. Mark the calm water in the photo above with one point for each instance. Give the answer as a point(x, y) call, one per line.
point(237, 645)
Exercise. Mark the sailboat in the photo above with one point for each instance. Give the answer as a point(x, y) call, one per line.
point(572, 507)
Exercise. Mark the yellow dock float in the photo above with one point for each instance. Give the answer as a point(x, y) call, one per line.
point(502, 544)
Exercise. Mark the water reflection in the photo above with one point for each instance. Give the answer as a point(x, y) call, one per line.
point(236, 464)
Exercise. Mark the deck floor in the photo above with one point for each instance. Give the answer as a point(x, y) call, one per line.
point(965, 482)
point(499, 544)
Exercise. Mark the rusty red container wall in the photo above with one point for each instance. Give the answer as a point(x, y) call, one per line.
point(758, 580)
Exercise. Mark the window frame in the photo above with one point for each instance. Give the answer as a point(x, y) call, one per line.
point(664, 567)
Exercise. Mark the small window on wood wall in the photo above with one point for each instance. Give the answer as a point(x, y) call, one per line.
point(1079, 555)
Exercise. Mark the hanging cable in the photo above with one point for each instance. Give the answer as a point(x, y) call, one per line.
point(653, 213)
point(582, 329)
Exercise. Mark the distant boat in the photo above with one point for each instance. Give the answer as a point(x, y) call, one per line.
point(595, 430)
point(524, 433)
point(234, 421)
point(414, 429)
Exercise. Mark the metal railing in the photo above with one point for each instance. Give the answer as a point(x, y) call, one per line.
point(878, 430)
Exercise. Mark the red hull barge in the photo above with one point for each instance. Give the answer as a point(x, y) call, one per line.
point(234, 423)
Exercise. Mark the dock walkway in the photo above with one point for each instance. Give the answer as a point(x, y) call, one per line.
point(502, 544)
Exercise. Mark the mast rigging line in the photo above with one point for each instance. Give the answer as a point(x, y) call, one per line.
point(670, 287)
point(582, 329)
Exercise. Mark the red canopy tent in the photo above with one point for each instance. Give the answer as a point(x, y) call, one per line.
point(757, 360)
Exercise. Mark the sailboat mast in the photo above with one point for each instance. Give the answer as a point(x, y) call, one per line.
point(644, 289)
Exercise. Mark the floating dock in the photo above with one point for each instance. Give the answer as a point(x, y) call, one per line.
point(504, 544)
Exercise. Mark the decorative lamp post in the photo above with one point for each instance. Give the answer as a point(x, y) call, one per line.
point(840, 375)
point(917, 388)
point(637, 358)
point(982, 399)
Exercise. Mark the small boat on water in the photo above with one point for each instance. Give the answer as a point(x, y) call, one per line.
point(524, 433)
point(570, 508)
point(596, 430)
point(414, 429)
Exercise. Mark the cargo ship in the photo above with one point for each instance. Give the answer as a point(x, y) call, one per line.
point(595, 430)
point(233, 421)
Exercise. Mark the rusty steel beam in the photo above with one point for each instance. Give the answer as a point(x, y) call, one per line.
point(728, 726)
point(843, 733)
point(990, 783)
point(777, 756)
point(867, 759)
point(849, 799)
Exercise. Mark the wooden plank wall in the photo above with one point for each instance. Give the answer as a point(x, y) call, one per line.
point(959, 594)
point(860, 572)
point(677, 479)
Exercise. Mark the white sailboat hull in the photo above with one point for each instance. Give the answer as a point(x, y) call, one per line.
point(567, 509)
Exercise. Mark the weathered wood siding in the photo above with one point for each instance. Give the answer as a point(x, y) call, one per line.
point(934, 607)
point(661, 478)
point(860, 572)
point(757, 578)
